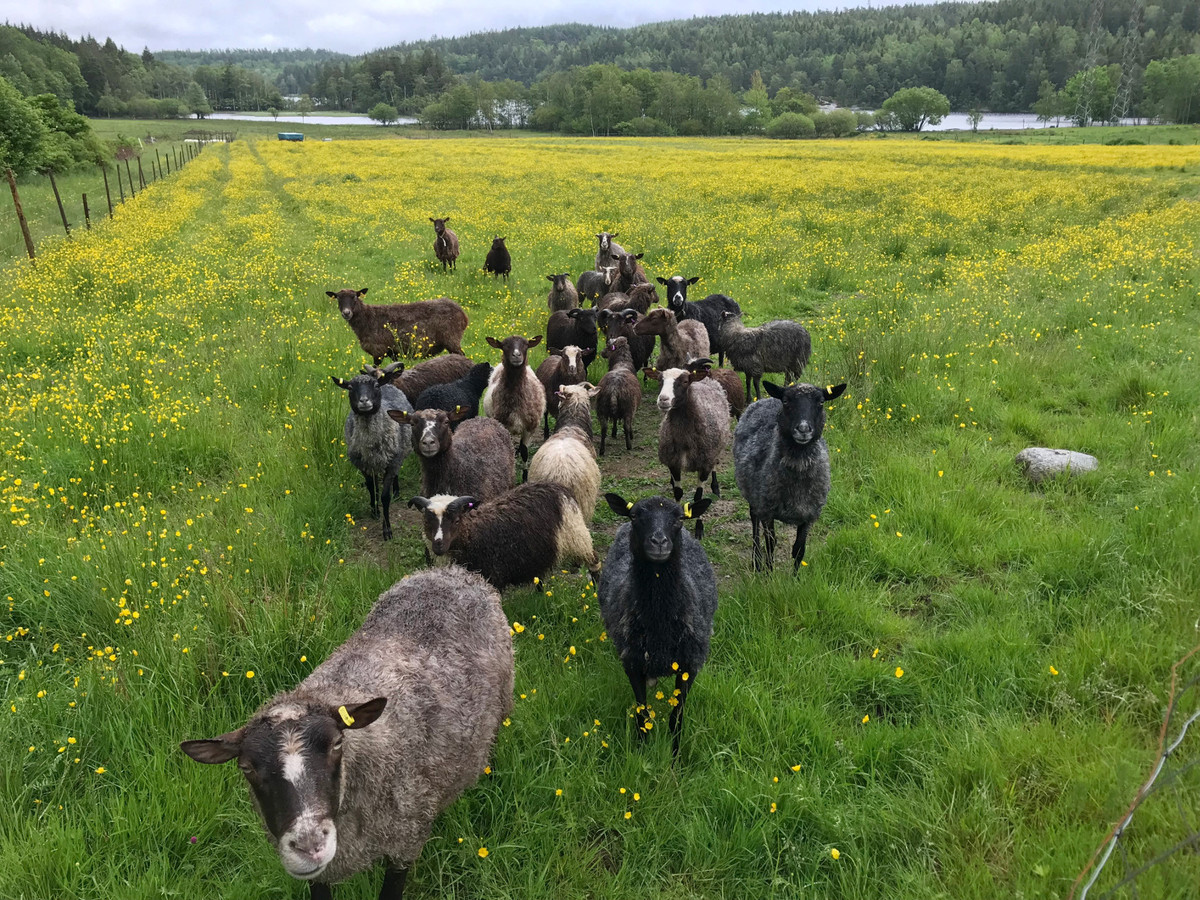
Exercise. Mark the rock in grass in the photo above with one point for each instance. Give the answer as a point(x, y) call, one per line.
point(1041, 463)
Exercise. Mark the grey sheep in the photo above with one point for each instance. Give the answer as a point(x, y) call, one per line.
point(354, 764)
point(476, 458)
point(608, 246)
point(374, 443)
point(781, 463)
point(694, 430)
point(439, 370)
point(618, 394)
point(709, 310)
point(514, 395)
point(778, 346)
point(410, 329)
point(445, 244)
point(592, 285)
point(563, 294)
point(658, 597)
point(679, 342)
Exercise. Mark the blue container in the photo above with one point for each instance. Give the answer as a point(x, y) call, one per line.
point(291, 136)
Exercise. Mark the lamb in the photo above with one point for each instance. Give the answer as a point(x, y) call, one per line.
point(412, 329)
point(708, 310)
point(567, 457)
point(514, 395)
point(629, 271)
point(658, 597)
point(374, 443)
point(561, 367)
point(563, 294)
point(618, 394)
point(607, 248)
point(592, 285)
point(498, 261)
point(620, 323)
point(439, 370)
point(461, 395)
point(680, 341)
point(519, 536)
point(355, 763)
point(778, 346)
point(475, 459)
point(445, 245)
point(781, 464)
point(575, 326)
point(694, 430)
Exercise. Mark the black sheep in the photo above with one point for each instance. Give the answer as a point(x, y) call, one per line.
point(708, 311)
point(573, 326)
point(463, 393)
point(498, 261)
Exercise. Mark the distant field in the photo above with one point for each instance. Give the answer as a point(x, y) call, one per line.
point(959, 693)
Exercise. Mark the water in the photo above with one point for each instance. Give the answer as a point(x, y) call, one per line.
point(307, 120)
point(1004, 122)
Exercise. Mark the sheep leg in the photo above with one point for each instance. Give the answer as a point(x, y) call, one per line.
point(748, 394)
point(614, 428)
point(757, 553)
point(603, 433)
point(318, 891)
point(387, 506)
point(370, 481)
point(720, 358)
point(716, 488)
point(546, 425)
point(638, 682)
point(683, 683)
point(628, 432)
point(769, 535)
point(393, 883)
point(676, 483)
point(798, 547)
point(524, 451)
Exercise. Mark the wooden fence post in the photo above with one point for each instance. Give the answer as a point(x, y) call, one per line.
point(57, 199)
point(107, 192)
point(158, 157)
point(12, 184)
point(129, 176)
point(120, 186)
point(87, 216)
point(141, 174)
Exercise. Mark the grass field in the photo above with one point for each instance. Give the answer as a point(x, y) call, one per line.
point(959, 693)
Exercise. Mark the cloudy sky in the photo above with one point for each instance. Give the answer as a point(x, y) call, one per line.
point(351, 26)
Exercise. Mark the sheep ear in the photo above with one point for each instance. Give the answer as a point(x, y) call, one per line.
point(629, 315)
point(460, 504)
point(702, 362)
point(533, 342)
point(832, 393)
point(618, 504)
point(572, 313)
point(432, 219)
point(215, 750)
point(774, 390)
point(399, 415)
point(460, 413)
point(447, 219)
point(693, 279)
point(362, 292)
point(652, 373)
point(699, 508)
point(639, 255)
point(494, 343)
point(592, 389)
point(360, 715)
point(549, 277)
point(330, 294)
point(344, 385)
point(419, 503)
point(614, 235)
point(661, 280)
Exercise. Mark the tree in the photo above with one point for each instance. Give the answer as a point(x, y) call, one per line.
point(22, 131)
point(974, 117)
point(1048, 104)
point(195, 100)
point(1173, 89)
point(384, 114)
point(304, 105)
point(792, 125)
point(1088, 96)
point(274, 113)
point(756, 106)
point(913, 107)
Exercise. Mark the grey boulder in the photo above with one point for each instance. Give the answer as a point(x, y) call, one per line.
point(1040, 463)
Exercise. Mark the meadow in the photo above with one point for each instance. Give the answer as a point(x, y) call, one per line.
point(958, 694)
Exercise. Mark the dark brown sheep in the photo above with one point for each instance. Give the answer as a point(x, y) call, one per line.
point(445, 245)
point(561, 367)
point(498, 261)
point(410, 329)
point(618, 394)
point(439, 370)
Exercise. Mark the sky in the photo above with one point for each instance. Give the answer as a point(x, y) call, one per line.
point(351, 26)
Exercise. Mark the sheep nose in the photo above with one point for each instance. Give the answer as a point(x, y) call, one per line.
point(802, 434)
point(311, 846)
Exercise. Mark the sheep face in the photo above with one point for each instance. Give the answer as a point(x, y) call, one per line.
point(442, 514)
point(655, 524)
point(498, 244)
point(606, 240)
point(802, 414)
point(670, 379)
point(677, 287)
point(365, 392)
point(291, 755)
point(439, 225)
point(349, 302)
point(573, 362)
point(515, 349)
point(559, 281)
point(657, 321)
point(627, 263)
point(585, 319)
point(431, 433)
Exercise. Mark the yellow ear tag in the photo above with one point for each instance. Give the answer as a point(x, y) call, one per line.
point(346, 717)
point(687, 511)
point(629, 506)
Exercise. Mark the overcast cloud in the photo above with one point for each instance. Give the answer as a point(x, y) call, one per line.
point(352, 26)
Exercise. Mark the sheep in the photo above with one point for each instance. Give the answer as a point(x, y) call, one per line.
point(445, 245)
point(629, 271)
point(355, 763)
point(567, 457)
point(620, 323)
point(498, 260)
point(519, 536)
point(729, 382)
point(708, 310)
point(658, 597)
point(461, 395)
point(374, 443)
point(476, 458)
point(439, 370)
point(607, 248)
point(640, 297)
point(574, 326)
point(618, 394)
point(778, 346)
point(561, 367)
point(694, 430)
point(592, 285)
point(413, 329)
point(781, 464)
point(563, 294)
point(514, 395)
point(680, 341)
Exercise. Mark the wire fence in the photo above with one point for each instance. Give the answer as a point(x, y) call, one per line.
point(1128, 864)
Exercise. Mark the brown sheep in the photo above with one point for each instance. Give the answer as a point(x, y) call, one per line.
point(514, 396)
point(618, 394)
point(445, 245)
point(561, 367)
point(439, 370)
point(680, 341)
point(412, 329)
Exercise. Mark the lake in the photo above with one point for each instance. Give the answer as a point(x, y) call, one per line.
point(307, 120)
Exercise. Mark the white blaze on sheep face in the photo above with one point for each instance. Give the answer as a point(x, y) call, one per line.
point(667, 395)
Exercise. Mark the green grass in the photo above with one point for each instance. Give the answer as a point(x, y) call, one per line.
point(168, 377)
